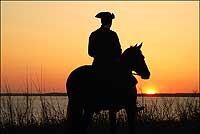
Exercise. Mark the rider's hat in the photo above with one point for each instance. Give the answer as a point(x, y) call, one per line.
point(105, 15)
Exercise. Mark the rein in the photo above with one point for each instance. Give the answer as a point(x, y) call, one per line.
point(135, 74)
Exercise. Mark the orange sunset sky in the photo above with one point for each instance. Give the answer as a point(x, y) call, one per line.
point(52, 38)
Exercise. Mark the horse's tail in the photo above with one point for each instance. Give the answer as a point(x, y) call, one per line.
point(76, 83)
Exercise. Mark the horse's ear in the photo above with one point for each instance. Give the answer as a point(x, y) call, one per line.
point(136, 45)
point(140, 46)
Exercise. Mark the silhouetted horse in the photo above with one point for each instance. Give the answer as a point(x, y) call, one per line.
point(89, 93)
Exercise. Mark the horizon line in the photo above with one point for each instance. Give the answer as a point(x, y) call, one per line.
point(139, 94)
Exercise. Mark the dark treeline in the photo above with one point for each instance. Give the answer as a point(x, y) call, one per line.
point(139, 95)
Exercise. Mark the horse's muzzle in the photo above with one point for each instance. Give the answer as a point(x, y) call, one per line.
point(145, 75)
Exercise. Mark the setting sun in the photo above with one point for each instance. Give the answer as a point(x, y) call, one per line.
point(150, 91)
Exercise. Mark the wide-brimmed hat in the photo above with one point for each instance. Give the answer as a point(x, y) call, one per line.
point(105, 15)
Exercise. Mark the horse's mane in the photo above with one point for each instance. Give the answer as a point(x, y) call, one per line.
point(128, 53)
point(131, 51)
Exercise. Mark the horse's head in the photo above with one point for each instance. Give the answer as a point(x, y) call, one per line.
point(134, 60)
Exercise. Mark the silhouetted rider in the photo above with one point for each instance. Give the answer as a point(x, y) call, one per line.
point(104, 45)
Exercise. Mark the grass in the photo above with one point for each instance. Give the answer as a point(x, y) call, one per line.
point(21, 115)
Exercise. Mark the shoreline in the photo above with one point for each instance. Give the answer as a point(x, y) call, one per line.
point(139, 95)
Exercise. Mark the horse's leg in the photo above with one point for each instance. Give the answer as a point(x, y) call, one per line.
point(131, 113)
point(86, 120)
point(74, 113)
point(112, 118)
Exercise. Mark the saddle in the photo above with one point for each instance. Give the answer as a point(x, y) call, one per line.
point(114, 77)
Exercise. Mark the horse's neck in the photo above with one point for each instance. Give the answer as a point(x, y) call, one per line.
point(124, 66)
point(124, 69)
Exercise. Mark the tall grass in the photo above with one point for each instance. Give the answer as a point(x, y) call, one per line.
point(22, 111)
point(177, 109)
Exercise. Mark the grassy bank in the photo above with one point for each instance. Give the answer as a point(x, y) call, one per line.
point(169, 115)
point(161, 127)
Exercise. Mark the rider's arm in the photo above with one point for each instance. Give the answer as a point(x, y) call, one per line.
point(91, 46)
point(118, 49)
